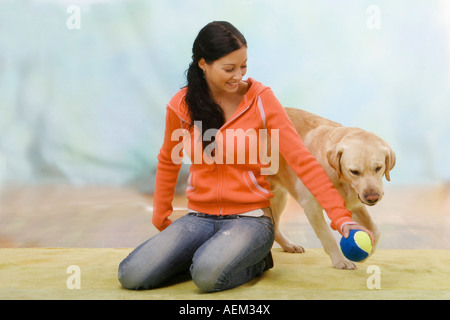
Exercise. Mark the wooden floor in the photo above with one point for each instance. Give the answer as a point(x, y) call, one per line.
point(410, 217)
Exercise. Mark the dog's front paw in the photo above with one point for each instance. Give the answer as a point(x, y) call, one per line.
point(344, 264)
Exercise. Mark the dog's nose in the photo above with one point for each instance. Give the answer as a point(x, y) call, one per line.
point(372, 197)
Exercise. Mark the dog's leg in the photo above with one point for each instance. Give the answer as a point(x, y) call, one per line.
point(277, 204)
point(362, 216)
point(314, 212)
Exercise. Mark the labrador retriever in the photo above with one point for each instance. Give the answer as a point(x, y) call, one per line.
point(354, 159)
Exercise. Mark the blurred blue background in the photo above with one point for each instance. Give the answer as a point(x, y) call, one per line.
point(86, 106)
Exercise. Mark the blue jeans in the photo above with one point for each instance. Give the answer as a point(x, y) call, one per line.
point(221, 252)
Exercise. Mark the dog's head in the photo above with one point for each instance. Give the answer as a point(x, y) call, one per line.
point(362, 159)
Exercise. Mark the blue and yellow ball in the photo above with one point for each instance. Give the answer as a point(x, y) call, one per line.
point(357, 247)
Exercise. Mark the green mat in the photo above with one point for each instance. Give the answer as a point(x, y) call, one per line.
point(46, 273)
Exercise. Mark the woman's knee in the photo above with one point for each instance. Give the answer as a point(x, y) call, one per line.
point(208, 278)
point(126, 278)
point(132, 278)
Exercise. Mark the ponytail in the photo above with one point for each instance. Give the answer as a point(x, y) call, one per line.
point(214, 41)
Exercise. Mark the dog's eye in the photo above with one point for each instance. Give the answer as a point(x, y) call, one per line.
point(355, 172)
point(377, 169)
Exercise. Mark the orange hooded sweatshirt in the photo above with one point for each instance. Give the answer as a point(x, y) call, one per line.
point(231, 178)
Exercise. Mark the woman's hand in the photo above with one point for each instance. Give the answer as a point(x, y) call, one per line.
point(346, 230)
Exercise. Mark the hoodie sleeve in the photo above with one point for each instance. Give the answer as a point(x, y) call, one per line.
point(304, 164)
point(166, 175)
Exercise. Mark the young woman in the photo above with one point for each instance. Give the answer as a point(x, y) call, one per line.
point(225, 239)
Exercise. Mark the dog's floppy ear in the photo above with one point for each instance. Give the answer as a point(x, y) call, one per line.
point(334, 155)
point(390, 162)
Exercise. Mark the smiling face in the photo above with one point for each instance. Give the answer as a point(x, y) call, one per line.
point(224, 75)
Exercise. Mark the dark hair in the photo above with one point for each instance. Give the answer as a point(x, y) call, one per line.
point(214, 41)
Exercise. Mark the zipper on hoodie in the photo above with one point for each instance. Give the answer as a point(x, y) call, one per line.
point(219, 188)
point(219, 166)
point(234, 118)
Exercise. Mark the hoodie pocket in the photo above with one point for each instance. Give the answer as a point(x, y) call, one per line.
point(190, 189)
point(254, 186)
